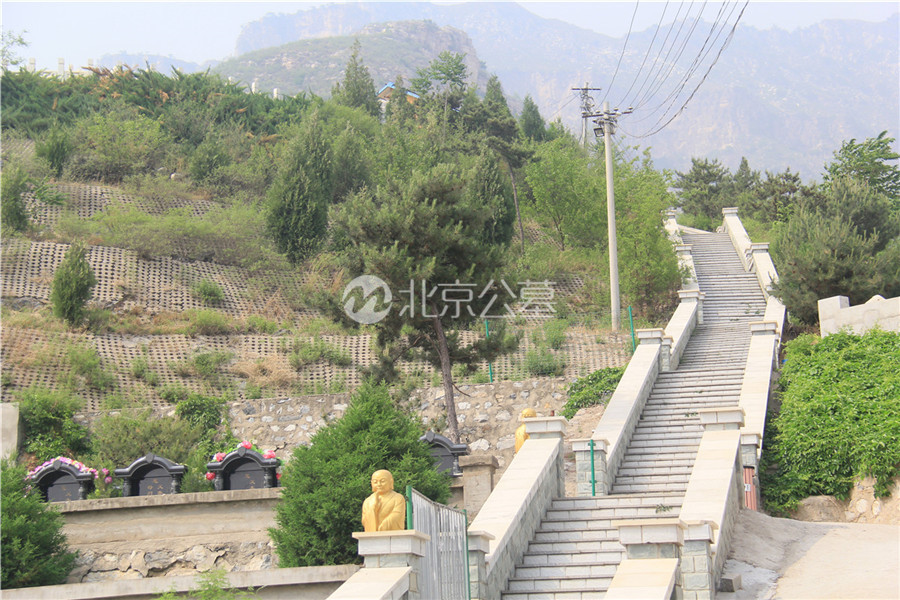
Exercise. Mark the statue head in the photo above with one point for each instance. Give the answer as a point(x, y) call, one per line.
point(528, 413)
point(382, 482)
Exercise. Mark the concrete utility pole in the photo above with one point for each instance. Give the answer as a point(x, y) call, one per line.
point(606, 124)
point(587, 105)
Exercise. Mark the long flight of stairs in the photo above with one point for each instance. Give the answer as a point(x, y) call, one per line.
point(575, 551)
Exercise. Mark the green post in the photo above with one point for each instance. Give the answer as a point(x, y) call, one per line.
point(487, 334)
point(593, 474)
point(409, 514)
point(631, 320)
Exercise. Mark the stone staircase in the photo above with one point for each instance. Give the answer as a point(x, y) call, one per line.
point(575, 551)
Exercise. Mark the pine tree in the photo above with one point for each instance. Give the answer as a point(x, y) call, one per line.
point(325, 483)
point(72, 284)
point(357, 89)
point(530, 121)
point(298, 199)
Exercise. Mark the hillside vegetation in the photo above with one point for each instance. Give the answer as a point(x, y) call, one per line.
point(222, 226)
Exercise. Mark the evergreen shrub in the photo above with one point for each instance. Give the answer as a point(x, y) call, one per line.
point(325, 483)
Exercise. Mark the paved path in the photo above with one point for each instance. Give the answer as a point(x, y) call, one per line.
point(783, 559)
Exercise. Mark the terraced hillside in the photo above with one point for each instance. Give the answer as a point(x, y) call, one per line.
point(260, 340)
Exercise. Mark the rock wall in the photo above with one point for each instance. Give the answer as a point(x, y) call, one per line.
point(863, 506)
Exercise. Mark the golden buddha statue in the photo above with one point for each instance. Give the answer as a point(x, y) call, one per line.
point(521, 436)
point(385, 509)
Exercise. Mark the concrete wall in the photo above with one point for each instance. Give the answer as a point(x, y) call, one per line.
point(301, 583)
point(836, 314)
point(179, 534)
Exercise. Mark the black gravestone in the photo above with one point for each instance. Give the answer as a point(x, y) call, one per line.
point(446, 454)
point(61, 482)
point(151, 475)
point(244, 469)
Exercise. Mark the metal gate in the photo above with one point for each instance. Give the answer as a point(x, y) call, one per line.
point(444, 572)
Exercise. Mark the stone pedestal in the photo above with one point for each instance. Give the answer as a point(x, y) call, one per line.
point(658, 336)
point(477, 481)
point(479, 546)
point(11, 429)
point(697, 577)
point(549, 428)
point(403, 548)
point(584, 451)
point(720, 418)
point(695, 296)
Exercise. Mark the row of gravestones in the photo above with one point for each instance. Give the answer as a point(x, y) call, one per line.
point(241, 469)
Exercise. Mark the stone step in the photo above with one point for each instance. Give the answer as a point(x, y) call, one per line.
point(641, 488)
point(652, 478)
point(558, 584)
point(636, 471)
point(577, 534)
point(557, 519)
point(604, 569)
point(610, 501)
point(569, 547)
point(567, 558)
point(637, 462)
point(670, 453)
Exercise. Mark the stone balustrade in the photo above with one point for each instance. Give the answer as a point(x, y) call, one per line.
point(836, 314)
point(508, 519)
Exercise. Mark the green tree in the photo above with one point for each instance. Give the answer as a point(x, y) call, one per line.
point(868, 161)
point(357, 90)
point(530, 121)
point(298, 199)
point(849, 245)
point(703, 190)
point(324, 484)
point(72, 284)
point(565, 195)
point(8, 55)
point(13, 212)
point(777, 197)
point(35, 551)
point(47, 424)
point(426, 232)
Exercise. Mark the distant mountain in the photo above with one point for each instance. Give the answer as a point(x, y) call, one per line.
point(780, 99)
point(387, 49)
point(163, 64)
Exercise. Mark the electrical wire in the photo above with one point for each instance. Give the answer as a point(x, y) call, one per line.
point(622, 54)
point(649, 48)
point(656, 61)
point(728, 39)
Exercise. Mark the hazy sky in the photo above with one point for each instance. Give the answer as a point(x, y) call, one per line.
point(200, 31)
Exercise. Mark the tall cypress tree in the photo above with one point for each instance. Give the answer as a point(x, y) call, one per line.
point(357, 89)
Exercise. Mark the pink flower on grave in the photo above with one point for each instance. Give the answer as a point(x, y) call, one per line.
point(247, 445)
point(107, 480)
point(269, 454)
point(105, 471)
point(219, 457)
point(210, 476)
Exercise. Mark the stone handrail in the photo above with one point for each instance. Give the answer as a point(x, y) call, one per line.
point(739, 238)
point(387, 583)
point(714, 494)
point(613, 432)
point(682, 324)
point(647, 579)
point(513, 511)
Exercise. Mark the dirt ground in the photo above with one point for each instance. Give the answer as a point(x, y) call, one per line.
point(784, 559)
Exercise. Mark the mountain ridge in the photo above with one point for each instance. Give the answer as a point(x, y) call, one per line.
point(766, 83)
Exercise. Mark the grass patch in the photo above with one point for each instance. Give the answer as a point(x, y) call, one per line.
point(592, 390)
point(307, 352)
point(209, 292)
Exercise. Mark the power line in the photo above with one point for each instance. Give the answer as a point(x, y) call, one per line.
point(622, 54)
point(653, 71)
point(703, 79)
point(649, 48)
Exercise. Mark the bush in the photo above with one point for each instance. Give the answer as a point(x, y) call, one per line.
point(592, 390)
point(13, 212)
point(209, 292)
point(56, 149)
point(555, 333)
point(541, 362)
point(35, 551)
point(208, 322)
point(202, 411)
point(47, 425)
point(839, 419)
point(325, 483)
point(305, 353)
point(85, 367)
point(72, 284)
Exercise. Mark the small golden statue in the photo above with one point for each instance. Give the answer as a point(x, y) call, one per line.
point(385, 509)
point(521, 436)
